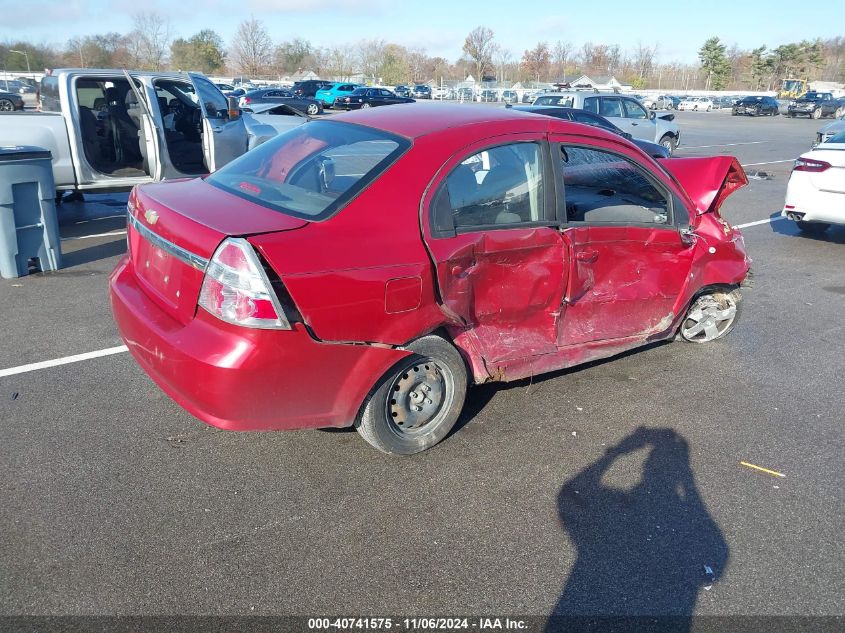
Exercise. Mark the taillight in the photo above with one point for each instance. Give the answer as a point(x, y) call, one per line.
point(247, 100)
point(236, 288)
point(808, 164)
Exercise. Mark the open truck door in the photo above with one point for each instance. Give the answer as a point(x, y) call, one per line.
point(151, 142)
point(224, 135)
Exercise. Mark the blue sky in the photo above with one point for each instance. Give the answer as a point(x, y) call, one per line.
point(441, 25)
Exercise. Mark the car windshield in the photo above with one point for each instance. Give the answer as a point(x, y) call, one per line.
point(312, 170)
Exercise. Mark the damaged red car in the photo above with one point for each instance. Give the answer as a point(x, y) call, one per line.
point(365, 270)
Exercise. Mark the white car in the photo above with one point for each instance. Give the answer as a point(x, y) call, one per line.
point(698, 104)
point(440, 92)
point(655, 102)
point(815, 195)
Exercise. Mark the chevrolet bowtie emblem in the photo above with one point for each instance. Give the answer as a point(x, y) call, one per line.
point(150, 216)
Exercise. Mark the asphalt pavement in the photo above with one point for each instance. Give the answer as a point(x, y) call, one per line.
point(606, 489)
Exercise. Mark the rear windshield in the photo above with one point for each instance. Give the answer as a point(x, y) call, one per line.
point(312, 170)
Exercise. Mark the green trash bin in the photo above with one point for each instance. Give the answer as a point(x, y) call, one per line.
point(29, 228)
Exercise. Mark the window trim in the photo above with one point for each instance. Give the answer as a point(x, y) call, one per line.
point(550, 188)
point(661, 186)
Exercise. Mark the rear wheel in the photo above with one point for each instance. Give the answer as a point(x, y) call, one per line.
point(6, 105)
point(417, 402)
point(817, 113)
point(812, 228)
point(839, 112)
point(711, 316)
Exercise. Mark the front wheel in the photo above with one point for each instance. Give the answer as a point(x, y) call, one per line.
point(365, 105)
point(817, 113)
point(711, 316)
point(312, 109)
point(812, 228)
point(6, 105)
point(668, 142)
point(416, 403)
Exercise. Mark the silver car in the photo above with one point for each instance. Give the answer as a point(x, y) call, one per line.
point(625, 112)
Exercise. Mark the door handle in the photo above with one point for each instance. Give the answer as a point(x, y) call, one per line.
point(634, 123)
point(217, 130)
point(587, 256)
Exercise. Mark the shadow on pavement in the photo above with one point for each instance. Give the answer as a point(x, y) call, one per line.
point(642, 546)
point(834, 235)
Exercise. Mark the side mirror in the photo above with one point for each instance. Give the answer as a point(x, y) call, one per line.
point(234, 109)
point(652, 115)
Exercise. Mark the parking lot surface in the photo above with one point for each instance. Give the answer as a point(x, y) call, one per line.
point(545, 499)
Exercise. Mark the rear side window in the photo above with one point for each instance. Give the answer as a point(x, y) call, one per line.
point(50, 101)
point(313, 170)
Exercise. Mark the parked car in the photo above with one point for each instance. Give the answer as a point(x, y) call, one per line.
point(756, 106)
point(421, 91)
point(626, 113)
point(333, 92)
point(816, 105)
point(402, 91)
point(816, 188)
point(830, 130)
point(589, 118)
point(281, 117)
point(499, 260)
point(510, 96)
point(488, 96)
point(370, 98)
point(440, 92)
point(9, 102)
point(16, 86)
point(530, 95)
point(466, 94)
point(657, 102)
point(309, 87)
point(278, 95)
point(105, 134)
point(696, 104)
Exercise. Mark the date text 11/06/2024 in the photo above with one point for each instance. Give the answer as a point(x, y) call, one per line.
point(416, 624)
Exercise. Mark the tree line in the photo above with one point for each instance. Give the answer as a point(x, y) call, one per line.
point(151, 44)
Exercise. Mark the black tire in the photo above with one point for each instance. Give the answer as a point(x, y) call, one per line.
point(435, 369)
point(704, 308)
point(668, 142)
point(812, 228)
point(6, 105)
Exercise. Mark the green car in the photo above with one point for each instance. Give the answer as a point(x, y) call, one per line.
point(336, 91)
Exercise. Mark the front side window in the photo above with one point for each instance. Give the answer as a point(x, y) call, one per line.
point(213, 102)
point(498, 186)
point(591, 104)
point(634, 110)
point(611, 107)
point(313, 170)
point(605, 188)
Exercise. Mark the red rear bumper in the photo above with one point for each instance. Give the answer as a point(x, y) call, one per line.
point(245, 379)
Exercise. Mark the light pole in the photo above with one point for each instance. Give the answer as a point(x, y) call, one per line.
point(29, 72)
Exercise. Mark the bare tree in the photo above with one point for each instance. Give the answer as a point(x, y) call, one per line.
point(644, 59)
point(536, 61)
point(561, 53)
point(479, 46)
point(503, 58)
point(370, 57)
point(252, 48)
point(149, 40)
point(340, 62)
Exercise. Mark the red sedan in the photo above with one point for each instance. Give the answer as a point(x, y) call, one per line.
point(364, 270)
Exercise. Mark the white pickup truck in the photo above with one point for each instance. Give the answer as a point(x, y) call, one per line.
point(109, 130)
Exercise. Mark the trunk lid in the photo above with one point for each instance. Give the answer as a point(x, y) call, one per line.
point(175, 227)
point(833, 178)
point(707, 181)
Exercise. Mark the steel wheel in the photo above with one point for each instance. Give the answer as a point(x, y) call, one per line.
point(313, 109)
point(6, 105)
point(419, 396)
point(365, 105)
point(711, 316)
point(668, 142)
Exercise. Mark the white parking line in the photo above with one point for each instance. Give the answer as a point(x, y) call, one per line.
point(88, 237)
point(721, 145)
point(62, 361)
point(771, 162)
point(758, 222)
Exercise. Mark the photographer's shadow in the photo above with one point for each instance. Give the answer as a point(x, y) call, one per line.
point(642, 546)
